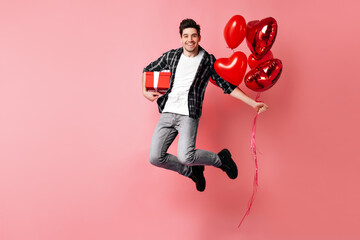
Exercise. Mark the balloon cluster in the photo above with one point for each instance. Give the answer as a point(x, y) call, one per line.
point(260, 36)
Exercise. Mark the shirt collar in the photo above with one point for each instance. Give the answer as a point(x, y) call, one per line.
point(180, 51)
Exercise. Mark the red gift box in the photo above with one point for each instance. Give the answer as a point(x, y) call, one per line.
point(157, 81)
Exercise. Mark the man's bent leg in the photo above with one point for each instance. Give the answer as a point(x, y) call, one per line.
point(163, 136)
point(187, 128)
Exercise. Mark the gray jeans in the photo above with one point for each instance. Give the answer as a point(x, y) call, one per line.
point(168, 127)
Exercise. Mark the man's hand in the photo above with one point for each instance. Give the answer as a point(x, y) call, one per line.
point(151, 96)
point(260, 107)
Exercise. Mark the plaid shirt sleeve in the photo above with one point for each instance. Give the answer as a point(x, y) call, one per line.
point(158, 65)
point(226, 86)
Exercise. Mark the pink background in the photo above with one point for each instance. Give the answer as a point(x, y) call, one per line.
point(75, 129)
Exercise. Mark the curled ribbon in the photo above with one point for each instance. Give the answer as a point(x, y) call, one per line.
point(253, 148)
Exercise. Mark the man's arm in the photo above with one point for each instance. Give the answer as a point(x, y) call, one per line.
point(235, 91)
point(157, 65)
point(258, 106)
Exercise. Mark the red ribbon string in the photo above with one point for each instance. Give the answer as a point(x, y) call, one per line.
point(253, 148)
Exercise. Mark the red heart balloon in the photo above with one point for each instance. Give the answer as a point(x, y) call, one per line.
point(264, 76)
point(253, 62)
point(260, 36)
point(235, 31)
point(232, 69)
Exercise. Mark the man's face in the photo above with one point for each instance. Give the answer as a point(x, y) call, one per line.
point(190, 39)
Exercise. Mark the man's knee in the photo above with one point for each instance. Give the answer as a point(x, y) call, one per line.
point(187, 158)
point(156, 158)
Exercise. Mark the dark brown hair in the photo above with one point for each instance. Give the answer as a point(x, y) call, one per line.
point(189, 23)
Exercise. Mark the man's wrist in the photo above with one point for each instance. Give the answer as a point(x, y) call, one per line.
point(253, 103)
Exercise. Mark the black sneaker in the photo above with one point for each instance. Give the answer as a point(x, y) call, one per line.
point(197, 176)
point(228, 165)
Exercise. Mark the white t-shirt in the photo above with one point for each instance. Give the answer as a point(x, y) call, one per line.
point(184, 76)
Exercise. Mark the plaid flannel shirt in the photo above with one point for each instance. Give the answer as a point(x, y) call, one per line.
point(170, 60)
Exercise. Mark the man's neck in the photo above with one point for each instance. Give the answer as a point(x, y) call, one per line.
point(191, 54)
